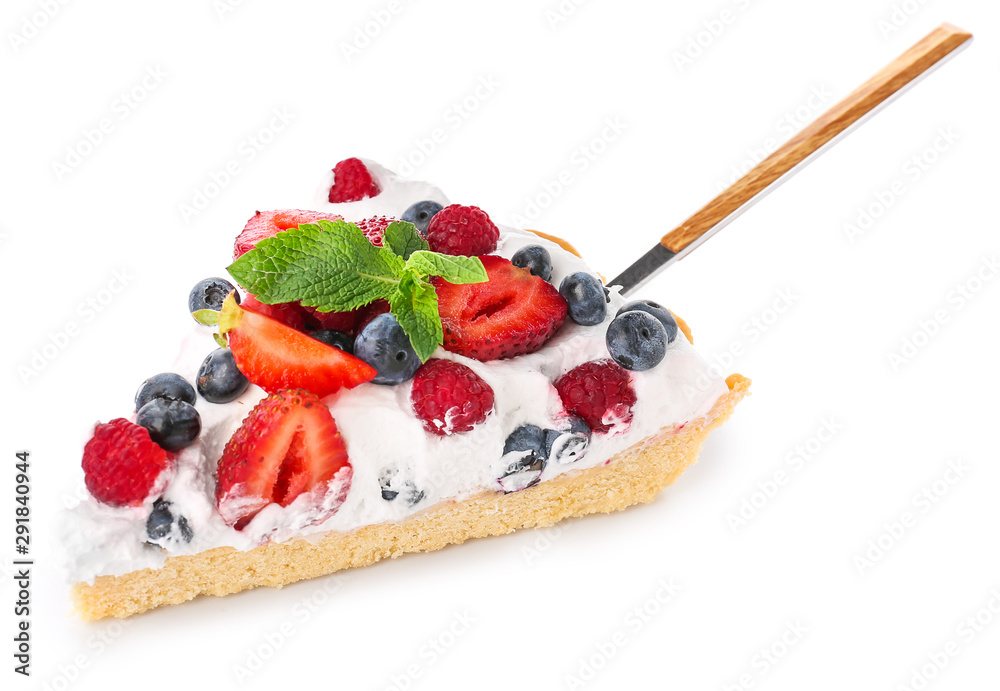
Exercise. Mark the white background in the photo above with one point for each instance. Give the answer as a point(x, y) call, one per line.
point(544, 602)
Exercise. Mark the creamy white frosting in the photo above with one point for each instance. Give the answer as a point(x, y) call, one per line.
point(382, 434)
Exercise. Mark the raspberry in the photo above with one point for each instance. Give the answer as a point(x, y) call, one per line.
point(351, 182)
point(121, 463)
point(599, 392)
point(462, 230)
point(374, 227)
point(449, 398)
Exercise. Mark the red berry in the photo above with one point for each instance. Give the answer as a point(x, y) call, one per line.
point(267, 224)
point(600, 392)
point(369, 312)
point(341, 321)
point(513, 313)
point(374, 228)
point(351, 181)
point(462, 230)
point(288, 313)
point(121, 463)
point(449, 398)
point(274, 356)
point(288, 445)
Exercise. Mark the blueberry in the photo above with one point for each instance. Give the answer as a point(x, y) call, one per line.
point(585, 296)
point(636, 340)
point(219, 380)
point(420, 214)
point(162, 527)
point(169, 386)
point(394, 485)
point(171, 424)
point(568, 445)
point(535, 259)
point(209, 294)
point(524, 453)
point(338, 339)
point(385, 346)
point(658, 311)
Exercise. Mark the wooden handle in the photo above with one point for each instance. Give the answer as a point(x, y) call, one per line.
point(921, 57)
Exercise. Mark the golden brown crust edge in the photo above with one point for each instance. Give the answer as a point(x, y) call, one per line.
point(633, 476)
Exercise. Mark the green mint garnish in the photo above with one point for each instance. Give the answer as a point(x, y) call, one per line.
point(331, 265)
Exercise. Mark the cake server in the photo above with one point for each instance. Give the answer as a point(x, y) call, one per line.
point(921, 59)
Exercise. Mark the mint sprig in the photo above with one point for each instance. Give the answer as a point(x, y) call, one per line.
point(331, 265)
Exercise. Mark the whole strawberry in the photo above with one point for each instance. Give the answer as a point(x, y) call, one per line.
point(352, 181)
point(600, 392)
point(462, 230)
point(121, 463)
point(449, 398)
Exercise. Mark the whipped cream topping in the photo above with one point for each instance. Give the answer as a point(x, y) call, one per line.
point(390, 452)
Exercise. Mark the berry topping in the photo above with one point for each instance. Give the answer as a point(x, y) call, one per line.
point(568, 445)
point(290, 314)
point(369, 312)
point(219, 379)
point(636, 340)
point(462, 230)
point(512, 313)
point(585, 296)
point(267, 224)
point(524, 454)
point(169, 386)
point(209, 293)
point(385, 346)
point(374, 228)
point(274, 356)
point(171, 424)
point(395, 485)
point(286, 447)
point(535, 259)
point(121, 463)
point(449, 398)
point(601, 393)
point(658, 311)
point(341, 321)
point(420, 214)
point(351, 181)
point(165, 529)
point(338, 339)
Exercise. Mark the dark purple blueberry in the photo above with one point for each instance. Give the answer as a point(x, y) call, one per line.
point(219, 379)
point(524, 455)
point(584, 295)
point(535, 259)
point(658, 311)
point(168, 386)
point(636, 340)
point(171, 424)
point(163, 528)
point(420, 214)
point(385, 346)
point(570, 444)
point(338, 339)
point(209, 294)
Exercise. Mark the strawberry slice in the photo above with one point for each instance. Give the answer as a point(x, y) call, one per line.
point(275, 356)
point(288, 445)
point(513, 313)
point(267, 224)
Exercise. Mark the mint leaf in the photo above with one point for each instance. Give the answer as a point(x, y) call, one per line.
point(415, 306)
point(403, 239)
point(452, 269)
point(330, 265)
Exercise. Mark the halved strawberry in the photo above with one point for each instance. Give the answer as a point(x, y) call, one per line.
point(267, 224)
point(275, 356)
point(513, 313)
point(287, 446)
